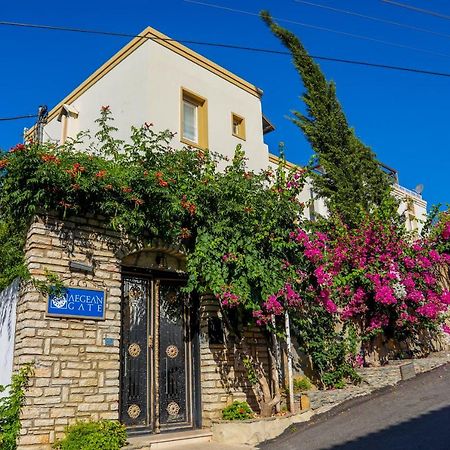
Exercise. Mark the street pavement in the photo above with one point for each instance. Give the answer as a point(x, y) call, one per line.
point(414, 415)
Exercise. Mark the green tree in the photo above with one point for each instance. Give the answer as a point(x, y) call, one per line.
point(350, 180)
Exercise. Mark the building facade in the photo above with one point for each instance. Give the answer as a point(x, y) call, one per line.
point(124, 342)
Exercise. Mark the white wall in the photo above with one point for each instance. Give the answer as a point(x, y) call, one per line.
point(8, 303)
point(146, 87)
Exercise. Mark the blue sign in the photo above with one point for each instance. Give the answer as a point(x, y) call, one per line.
point(77, 303)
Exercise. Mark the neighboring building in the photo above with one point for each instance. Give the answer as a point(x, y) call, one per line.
point(134, 351)
point(411, 204)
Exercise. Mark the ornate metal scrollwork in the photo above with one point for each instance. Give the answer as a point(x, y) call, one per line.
point(134, 350)
point(134, 411)
point(172, 351)
point(173, 408)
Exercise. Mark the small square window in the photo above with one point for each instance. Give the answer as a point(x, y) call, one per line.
point(238, 126)
point(194, 120)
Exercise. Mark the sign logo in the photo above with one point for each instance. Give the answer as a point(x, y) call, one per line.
point(79, 303)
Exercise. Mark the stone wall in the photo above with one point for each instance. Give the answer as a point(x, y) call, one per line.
point(223, 376)
point(76, 369)
point(76, 375)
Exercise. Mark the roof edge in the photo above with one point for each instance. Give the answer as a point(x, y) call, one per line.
point(151, 34)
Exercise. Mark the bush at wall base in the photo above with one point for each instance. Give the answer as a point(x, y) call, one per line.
point(93, 435)
point(10, 407)
point(237, 411)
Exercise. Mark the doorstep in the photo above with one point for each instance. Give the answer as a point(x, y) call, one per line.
point(168, 440)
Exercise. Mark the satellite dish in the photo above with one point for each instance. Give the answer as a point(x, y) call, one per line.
point(419, 189)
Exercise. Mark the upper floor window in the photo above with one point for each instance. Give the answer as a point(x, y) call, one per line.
point(194, 119)
point(238, 126)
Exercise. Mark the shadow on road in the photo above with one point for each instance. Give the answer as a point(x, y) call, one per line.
point(430, 431)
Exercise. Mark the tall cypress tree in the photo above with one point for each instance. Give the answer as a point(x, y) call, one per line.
point(351, 180)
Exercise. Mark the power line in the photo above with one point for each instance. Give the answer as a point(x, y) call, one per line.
point(376, 19)
point(232, 47)
point(416, 9)
point(320, 28)
point(27, 116)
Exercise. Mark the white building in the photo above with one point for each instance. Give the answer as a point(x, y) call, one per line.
point(155, 79)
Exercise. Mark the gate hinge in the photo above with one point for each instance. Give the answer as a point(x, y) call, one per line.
point(150, 342)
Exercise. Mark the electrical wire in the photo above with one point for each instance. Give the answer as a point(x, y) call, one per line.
point(416, 9)
point(320, 28)
point(230, 46)
point(376, 19)
point(27, 116)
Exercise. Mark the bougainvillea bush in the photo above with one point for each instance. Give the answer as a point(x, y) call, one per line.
point(373, 280)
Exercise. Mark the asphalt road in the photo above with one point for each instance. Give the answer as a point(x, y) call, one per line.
point(413, 415)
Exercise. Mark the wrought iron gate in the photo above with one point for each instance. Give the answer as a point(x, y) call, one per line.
point(156, 360)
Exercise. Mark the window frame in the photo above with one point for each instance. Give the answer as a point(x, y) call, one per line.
point(241, 126)
point(201, 103)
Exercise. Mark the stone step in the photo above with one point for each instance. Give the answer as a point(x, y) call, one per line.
point(168, 440)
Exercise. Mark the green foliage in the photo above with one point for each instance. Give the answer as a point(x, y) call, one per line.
point(237, 411)
point(52, 284)
point(99, 435)
point(302, 383)
point(350, 179)
point(10, 407)
point(328, 349)
point(12, 263)
point(252, 376)
point(233, 224)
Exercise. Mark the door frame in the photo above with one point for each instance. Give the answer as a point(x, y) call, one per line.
point(153, 426)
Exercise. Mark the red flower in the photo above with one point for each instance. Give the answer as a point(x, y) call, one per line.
point(163, 183)
point(100, 173)
point(105, 108)
point(17, 148)
point(108, 187)
point(3, 163)
point(126, 189)
point(185, 233)
point(145, 173)
point(76, 170)
point(137, 201)
point(47, 158)
point(189, 206)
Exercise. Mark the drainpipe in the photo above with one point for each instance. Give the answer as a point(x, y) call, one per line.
point(289, 363)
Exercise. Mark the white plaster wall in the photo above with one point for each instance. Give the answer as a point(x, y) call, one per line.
point(402, 194)
point(146, 87)
point(419, 208)
point(8, 303)
point(317, 205)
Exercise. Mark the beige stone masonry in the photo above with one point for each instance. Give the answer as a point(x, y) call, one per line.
point(76, 374)
point(223, 376)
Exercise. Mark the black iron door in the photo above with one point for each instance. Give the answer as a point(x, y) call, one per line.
point(156, 359)
point(175, 371)
point(136, 337)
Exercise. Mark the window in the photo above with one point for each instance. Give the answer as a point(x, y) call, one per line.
point(238, 126)
point(194, 120)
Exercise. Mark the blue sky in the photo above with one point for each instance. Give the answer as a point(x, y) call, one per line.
point(404, 117)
